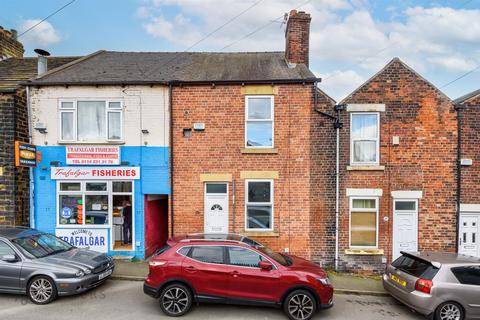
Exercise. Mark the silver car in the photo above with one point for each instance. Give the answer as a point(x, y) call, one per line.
point(443, 286)
point(44, 266)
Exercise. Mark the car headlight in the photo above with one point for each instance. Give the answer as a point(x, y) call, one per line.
point(324, 281)
point(79, 273)
point(87, 271)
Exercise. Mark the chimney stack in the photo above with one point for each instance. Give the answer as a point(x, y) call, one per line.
point(42, 65)
point(9, 45)
point(297, 37)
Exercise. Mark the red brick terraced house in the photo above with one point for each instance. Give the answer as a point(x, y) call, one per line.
point(468, 108)
point(243, 146)
point(397, 168)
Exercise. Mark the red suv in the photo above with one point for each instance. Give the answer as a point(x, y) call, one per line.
point(235, 269)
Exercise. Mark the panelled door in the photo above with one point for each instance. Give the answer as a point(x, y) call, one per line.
point(405, 227)
point(469, 231)
point(216, 208)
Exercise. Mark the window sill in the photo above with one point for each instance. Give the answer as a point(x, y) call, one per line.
point(366, 168)
point(260, 234)
point(364, 252)
point(90, 143)
point(259, 150)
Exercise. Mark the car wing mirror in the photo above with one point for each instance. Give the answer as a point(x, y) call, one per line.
point(265, 265)
point(9, 258)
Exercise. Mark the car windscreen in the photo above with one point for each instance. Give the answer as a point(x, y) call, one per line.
point(41, 245)
point(283, 260)
point(415, 267)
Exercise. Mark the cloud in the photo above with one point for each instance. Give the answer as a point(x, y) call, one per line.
point(43, 34)
point(339, 84)
point(348, 38)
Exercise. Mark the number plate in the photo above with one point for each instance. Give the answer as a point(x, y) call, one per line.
point(398, 280)
point(105, 274)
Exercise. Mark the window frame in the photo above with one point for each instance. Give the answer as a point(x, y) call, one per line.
point(271, 203)
point(351, 209)
point(73, 110)
point(272, 120)
point(83, 192)
point(377, 140)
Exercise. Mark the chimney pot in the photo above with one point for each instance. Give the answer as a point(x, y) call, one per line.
point(297, 38)
point(42, 64)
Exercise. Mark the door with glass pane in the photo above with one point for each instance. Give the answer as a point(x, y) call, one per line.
point(469, 230)
point(216, 208)
point(405, 227)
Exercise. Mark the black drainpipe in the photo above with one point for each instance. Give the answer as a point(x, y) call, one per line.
point(170, 91)
point(458, 108)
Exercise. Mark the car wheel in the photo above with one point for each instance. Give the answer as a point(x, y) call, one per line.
point(42, 290)
point(300, 305)
point(175, 300)
point(449, 311)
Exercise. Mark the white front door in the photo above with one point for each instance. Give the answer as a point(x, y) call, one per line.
point(216, 208)
point(469, 231)
point(405, 227)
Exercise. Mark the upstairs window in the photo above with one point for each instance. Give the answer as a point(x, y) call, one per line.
point(259, 122)
point(90, 121)
point(364, 138)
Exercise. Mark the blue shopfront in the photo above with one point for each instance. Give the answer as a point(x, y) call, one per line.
point(111, 199)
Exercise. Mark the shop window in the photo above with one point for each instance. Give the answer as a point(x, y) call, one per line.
point(259, 122)
point(364, 138)
point(259, 205)
point(363, 222)
point(92, 203)
point(90, 121)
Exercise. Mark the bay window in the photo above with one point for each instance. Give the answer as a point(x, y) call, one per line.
point(259, 205)
point(259, 121)
point(364, 222)
point(364, 138)
point(90, 121)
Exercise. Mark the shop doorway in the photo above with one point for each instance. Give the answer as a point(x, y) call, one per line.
point(156, 222)
point(216, 208)
point(469, 230)
point(123, 216)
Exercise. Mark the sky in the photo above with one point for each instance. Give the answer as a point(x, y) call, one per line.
point(350, 40)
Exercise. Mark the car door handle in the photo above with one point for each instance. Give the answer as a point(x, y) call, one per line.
point(235, 273)
point(190, 269)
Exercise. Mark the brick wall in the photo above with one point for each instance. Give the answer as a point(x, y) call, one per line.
point(425, 121)
point(470, 129)
point(14, 182)
point(218, 150)
point(9, 46)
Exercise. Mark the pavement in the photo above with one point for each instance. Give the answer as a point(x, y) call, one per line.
point(343, 283)
point(125, 300)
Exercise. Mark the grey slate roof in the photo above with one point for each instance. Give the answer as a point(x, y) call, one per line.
point(15, 70)
point(467, 97)
point(108, 67)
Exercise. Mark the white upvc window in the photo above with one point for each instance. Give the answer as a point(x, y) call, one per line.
point(364, 222)
point(259, 205)
point(259, 124)
point(365, 138)
point(90, 121)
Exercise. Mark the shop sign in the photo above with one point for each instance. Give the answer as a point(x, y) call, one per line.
point(93, 239)
point(106, 173)
point(25, 154)
point(93, 155)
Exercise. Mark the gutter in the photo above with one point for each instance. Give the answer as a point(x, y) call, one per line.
point(458, 107)
point(171, 82)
